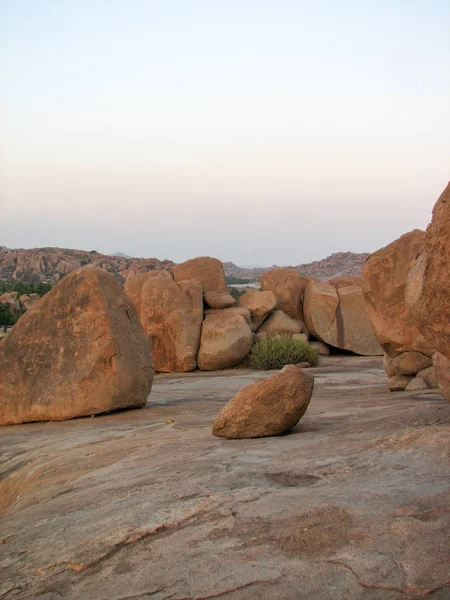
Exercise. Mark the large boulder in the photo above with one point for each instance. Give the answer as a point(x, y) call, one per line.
point(225, 341)
point(288, 286)
point(272, 406)
point(233, 310)
point(442, 369)
point(210, 273)
point(260, 305)
point(79, 351)
point(337, 316)
point(383, 281)
point(428, 287)
point(279, 323)
point(171, 314)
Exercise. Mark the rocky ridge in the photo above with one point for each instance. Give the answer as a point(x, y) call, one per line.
point(48, 265)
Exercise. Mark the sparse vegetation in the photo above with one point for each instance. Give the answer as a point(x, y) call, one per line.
point(25, 288)
point(236, 280)
point(236, 292)
point(277, 351)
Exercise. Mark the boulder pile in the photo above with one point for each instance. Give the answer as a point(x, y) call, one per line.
point(427, 291)
point(191, 320)
point(408, 354)
point(79, 351)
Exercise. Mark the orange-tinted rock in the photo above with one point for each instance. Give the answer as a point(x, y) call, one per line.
point(288, 286)
point(209, 272)
point(428, 286)
point(225, 341)
point(442, 369)
point(397, 383)
point(340, 282)
point(260, 305)
point(233, 310)
point(321, 348)
point(410, 363)
point(79, 351)
point(279, 323)
point(337, 316)
point(171, 314)
point(272, 406)
point(384, 280)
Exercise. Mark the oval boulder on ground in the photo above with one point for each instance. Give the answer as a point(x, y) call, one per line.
point(171, 314)
point(210, 273)
point(272, 406)
point(225, 341)
point(80, 350)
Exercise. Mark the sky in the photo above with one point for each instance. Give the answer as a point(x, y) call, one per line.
point(260, 132)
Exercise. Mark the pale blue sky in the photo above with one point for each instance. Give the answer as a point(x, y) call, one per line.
point(255, 131)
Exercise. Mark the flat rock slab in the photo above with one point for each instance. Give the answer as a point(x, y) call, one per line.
point(353, 503)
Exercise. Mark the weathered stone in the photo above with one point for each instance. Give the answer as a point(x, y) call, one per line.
point(389, 366)
point(337, 316)
point(341, 282)
point(300, 337)
point(233, 310)
point(269, 407)
point(398, 383)
point(416, 384)
point(288, 286)
point(428, 287)
point(384, 280)
point(430, 377)
point(410, 363)
point(259, 337)
point(225, 341)
point(260, 305)
point(209, 272)
point(279, 323)
point(171, 314)
point(79, 351)
point(321, 348)
point(442, 369)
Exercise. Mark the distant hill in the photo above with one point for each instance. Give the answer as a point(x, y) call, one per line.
point(48, 265)
point(339, 264)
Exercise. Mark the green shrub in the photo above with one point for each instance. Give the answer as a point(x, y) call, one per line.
point(275, 352)
point(236, 292)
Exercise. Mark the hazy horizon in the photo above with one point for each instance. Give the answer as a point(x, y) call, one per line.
point(253, 132)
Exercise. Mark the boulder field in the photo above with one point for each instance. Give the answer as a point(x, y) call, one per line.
point(79, 351)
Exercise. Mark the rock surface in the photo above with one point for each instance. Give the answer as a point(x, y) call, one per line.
point(171, 314)
point(209, 272)
point(233, 310)
point(225, 341)
point(279, 323)
point(383, 281)
point(288, 286)
point(272, 406)
point(428, 285)
point(260, 305)
point(79, 351)
point(442, 369)
point(337, 316)
point(352, 504)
